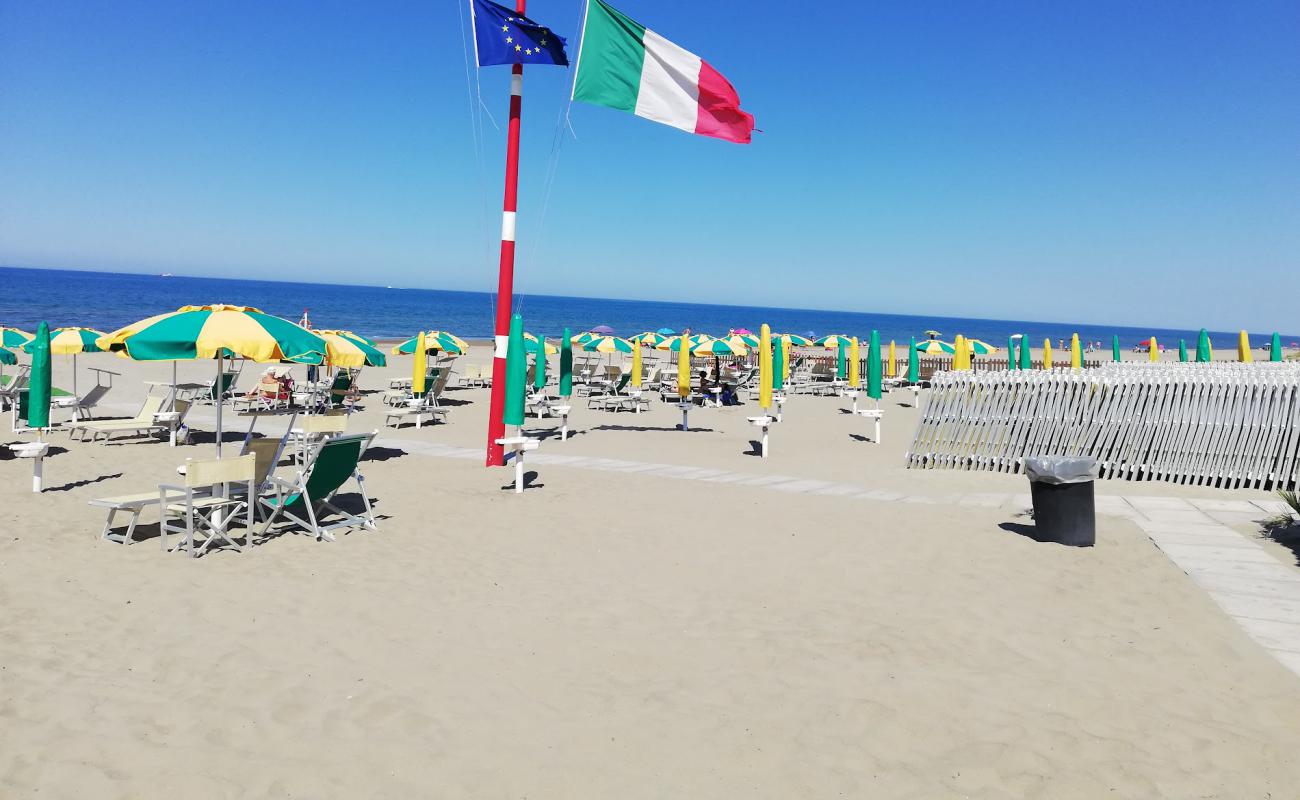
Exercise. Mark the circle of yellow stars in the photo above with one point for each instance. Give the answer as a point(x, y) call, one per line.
point(528, 51)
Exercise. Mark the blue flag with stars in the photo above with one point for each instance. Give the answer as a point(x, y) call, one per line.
point(503, 37)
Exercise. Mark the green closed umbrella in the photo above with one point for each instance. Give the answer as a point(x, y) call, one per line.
point(913, 363)
point(566, 365)
point(1182, 350)
point(842, 360)
point(38, 400)
point(1114, 348)
point(1026, 357)
point(516, 374)
point(1203, 355)
point(778, 365)
point(1275, 351)
point(539, 368)
point(874, 376)
point(1011, 353)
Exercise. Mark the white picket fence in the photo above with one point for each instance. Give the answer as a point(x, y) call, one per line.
point(1227, 425)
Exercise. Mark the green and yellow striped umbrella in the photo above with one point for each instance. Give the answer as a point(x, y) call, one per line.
point(934, 347)
point(980, 347)
point(12, 337)
point(746, 340)
point(435, 341)
point(195, 332)
point(833, 341)
point(794, 339)
point(347, 349)
point(532, 344)
point(71, 341)
point(7, 357)
point(675, 343)
point(652, 338)
point(719, 347)
point(607, 344)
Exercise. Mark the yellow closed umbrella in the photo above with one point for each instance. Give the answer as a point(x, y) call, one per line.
point(419, 367)
point(855, 379)
point(1076, 354)
point(1153, 349)
point(1243, 349)
point(891, 368)
point(765, 366)
point(959, 357)
point(785, 358)
point(684, 368)
point(636, 362)
point(1047, 354)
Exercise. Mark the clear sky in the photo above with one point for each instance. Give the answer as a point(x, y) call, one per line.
point(1107, 161)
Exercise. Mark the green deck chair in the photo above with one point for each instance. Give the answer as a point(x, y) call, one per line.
point(306, 499)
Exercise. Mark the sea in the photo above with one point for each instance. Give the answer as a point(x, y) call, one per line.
point(109, 300)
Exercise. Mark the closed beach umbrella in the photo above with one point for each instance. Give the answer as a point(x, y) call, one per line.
point(785, 359)
point(934, 347)
point(1153, 349)
point(1243, 349)
point(216, 332)
point(1076, 353)
point(516, 374)
point(419, 365)
point(875, 384)
point(960, 355)
point(779, 349)
point(1203, 354)
point(1275, 350)
point(437, 341)
point(1047, 354)
point(684, 367)
point(39, 380)
point(347, 349)
point(1182, 350)
point(539, 367)
point(842, 359)
point(70, 342)
point(566, 365)
point(1011, 353)
point(891, 366)
point(855, 379)
point(913, 363)
point(636, 363)
point(1114, 348)
point(765, 367)
point(1026, 355)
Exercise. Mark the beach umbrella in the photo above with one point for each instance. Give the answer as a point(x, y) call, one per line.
point(603, 330)
point(607, 344)
point(582, 338)
point(718, 348)
point(12, 337)
point(1011, 353)
point(765, 371)
point(1026, 355)
point(960, 355)
point(831, 341)
point(347, 349)
point(666, 332)
point(419, 365)
point(1182, 350)
point(933, 334)
point(435, 341)
point(566, 365)
point(7, 356)
point(891, 366)
point(1203, 354)
point(855, 377)
point(1047, 354)
point(1243, 349)
point(684, 367)
point(1153, 349)
point(913, 363)
point(745, 332)
point(516, 374)
point(979, 347)
point(934, 347)
point(651, 338)
point(795, 340)
point(69, 342)
point(746, 340)
point(785, 359)
point(842, 358)
point(1114, 348)
point(1076, 353)
point(1275, 349)
point(779, 350)
point(539, 369)
point(216, 332)
point(636, 363)
point(874, 381)
point(674, 344)
point(39, 381)
point(532, 344)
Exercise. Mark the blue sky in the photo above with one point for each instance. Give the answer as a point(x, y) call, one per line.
point(1110, 162)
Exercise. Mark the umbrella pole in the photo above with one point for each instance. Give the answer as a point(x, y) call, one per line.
point(74, 376)
point(217, 387)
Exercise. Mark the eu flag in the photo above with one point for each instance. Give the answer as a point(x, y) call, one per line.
point(503, 37)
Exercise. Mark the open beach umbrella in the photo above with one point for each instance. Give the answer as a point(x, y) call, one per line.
point(636, 363)
point(532, 344)
point(347, 349)
point(933, 334)
point(69, 342)
point(875, 384)
point(39, 381)
point(795, 340)
point(1114, 348)
point(1026, 355)
point(435, 341)
point(765, 371)
point(684, 367)
point(1203, 354)
point(607, 344)
point(674, 344)
point(516, 374)
point(1011, 353)
point(1153, 349)
point(1076, 353)
point(1275, 349)
point(666, 332)
point(913, 363)
point(603, 330)
point(566, 365)
point(420, 365)
point(12, 337)
point(855, 378)
point(216, 332)
point(746, 340)
point(7, 357)
point(979, 347)
point(831, 341)
point(718, 348)
point(1047, 354)
point(934, 347)
point(1182, 350)
point(1243, 349)
point(651, 338)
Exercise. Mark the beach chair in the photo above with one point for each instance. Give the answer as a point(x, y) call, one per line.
point(315, 429)
point(309, 496)
point(216, 390)
point(83, 407)
point(418, 410)
point(601, 395)
point(144, 422)
point(14, 384)
point(200, 511)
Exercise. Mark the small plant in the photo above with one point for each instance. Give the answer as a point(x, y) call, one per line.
point(1292, 499)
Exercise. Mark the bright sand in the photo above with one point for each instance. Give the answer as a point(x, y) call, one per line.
point(620, 634)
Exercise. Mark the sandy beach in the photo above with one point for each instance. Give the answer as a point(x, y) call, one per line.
point(661, 614)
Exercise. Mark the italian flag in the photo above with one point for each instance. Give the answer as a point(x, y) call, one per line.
point(625, 65)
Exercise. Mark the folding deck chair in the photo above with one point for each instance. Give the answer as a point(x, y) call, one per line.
point(308, 498)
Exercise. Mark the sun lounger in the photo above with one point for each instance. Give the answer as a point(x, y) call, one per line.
point(308, 497)
point(146, 421)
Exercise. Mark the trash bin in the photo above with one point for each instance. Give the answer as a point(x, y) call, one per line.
point(1064, 508)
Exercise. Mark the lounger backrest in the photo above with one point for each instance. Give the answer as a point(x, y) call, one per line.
point(152, 405)
point(266, 455)
point(325, 423)
point(210, 472)
point(92, 397)
point(181, 408)
point(335, 462)
point(622, 383)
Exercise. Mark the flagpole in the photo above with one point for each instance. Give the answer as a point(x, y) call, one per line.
point(506, 278)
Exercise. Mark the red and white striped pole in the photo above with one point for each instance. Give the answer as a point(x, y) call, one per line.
point(506, 280)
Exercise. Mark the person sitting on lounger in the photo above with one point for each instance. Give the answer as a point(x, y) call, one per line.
point(269, 387)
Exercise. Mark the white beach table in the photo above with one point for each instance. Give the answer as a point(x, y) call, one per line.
point(685, 406)
point(563, 412)
point(519, 445)
point(872, 414)
point(37, 452)
point(851, 393)
point(764, 422)
point(779, 400)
